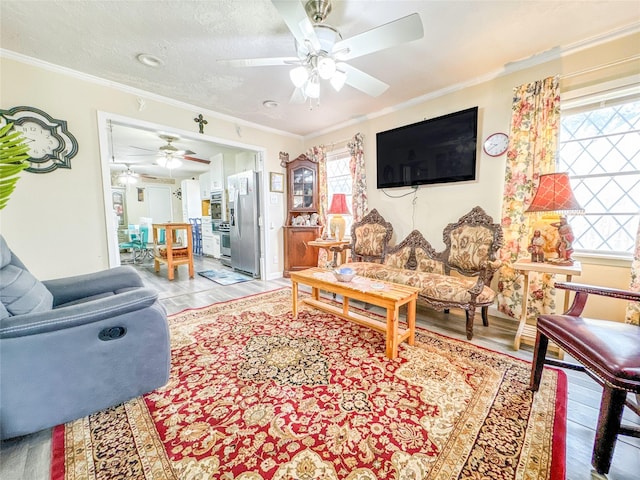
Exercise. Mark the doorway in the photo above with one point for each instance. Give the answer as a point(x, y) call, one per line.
point(145, 138)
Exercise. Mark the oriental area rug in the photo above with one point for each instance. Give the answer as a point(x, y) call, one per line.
point(255, 394)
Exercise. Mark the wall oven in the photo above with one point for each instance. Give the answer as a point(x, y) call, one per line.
point(217, 206)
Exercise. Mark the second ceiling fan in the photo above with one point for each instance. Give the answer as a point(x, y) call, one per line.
point(171, 156)
point(322, 53)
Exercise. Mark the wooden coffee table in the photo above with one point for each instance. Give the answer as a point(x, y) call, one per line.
point(390, 296)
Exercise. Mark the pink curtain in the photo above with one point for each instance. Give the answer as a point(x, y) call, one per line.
point(532, 151)
point(360, 203)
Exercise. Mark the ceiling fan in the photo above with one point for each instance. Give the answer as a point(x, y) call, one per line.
point(171, 156)
point(322, 53)
point(129, 177)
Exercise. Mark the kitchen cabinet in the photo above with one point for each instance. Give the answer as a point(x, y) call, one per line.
point(191, 203)
point(216, 169)
point(207, 237)
point(217, 239)
point(205, 186)
point(207, 245)
point(302, 225)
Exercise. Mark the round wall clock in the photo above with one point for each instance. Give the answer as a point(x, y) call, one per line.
point(51, 144)
point(496, 144)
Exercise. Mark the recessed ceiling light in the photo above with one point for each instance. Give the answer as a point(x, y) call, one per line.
point(149, 60)
point(270, 104)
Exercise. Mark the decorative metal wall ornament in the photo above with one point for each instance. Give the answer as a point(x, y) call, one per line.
point(178, 193)
point(201, 123)
point(284, 159)
point(51, 145)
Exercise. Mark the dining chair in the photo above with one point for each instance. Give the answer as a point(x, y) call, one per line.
point(609, 351)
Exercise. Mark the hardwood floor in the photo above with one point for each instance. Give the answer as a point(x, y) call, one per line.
point(29, 457)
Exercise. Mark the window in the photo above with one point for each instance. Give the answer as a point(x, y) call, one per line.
point(339, 180)
point(600, 149)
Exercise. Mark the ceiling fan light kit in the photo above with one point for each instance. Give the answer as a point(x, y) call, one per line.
point(128, 177)
point(299, 76)
point(169, 162)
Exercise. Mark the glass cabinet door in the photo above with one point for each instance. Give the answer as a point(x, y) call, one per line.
point(303, 188)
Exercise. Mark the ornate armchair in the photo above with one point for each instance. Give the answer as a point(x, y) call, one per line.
point(471, 247)
point(370, 238)
point(73, 346)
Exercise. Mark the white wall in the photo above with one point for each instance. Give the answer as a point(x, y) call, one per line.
point(55, 222)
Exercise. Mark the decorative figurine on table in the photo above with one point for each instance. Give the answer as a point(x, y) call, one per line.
point(565, 242)
point(536, 247)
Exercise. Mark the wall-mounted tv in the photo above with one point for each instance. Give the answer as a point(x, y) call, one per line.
point(437, 150)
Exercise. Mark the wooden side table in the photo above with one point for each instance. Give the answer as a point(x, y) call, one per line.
point(173, 260)
point(527, 332)
point(327, 244)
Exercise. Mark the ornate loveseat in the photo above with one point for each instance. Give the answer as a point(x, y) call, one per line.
point(471, 245)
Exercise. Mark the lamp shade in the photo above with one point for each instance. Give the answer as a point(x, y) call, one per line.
point(554, 194)
point(339, 205)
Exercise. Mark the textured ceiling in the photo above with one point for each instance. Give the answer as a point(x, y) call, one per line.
point(463, 40)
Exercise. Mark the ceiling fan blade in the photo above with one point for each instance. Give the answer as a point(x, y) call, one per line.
point(142, 148)
point(390, 34)
point(298, 96)
point(363, 81)
point(261, 62)
point(296, 18)
point(196, 159)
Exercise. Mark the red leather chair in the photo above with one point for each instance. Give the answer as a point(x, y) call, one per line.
point(609, 351)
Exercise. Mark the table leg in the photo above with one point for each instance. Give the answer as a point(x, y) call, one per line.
point(392, 333)
point(294, 296)
point(523, 316)
point(411, 321)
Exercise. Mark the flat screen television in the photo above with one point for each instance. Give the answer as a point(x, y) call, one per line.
point(437, 150)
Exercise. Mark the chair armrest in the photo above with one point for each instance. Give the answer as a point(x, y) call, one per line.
point(477, 288)
point(69, 289)
point(78, 314)
point(583, 291)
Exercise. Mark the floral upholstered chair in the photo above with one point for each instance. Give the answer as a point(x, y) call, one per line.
point(370, 238)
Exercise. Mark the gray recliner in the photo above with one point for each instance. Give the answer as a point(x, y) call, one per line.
point(73, 346)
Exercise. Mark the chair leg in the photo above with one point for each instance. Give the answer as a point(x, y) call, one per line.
point(485, 316)
point(470, 314)
point(609, 420)
point(539, 353)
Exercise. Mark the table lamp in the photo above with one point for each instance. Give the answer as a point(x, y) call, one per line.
point(554, 194)
point(337, 209)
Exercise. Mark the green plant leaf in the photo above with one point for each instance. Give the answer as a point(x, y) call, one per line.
point(13, 159)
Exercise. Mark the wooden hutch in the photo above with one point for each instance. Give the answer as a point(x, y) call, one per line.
point(302, 223)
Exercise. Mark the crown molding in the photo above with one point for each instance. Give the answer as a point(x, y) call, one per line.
point(509, 68)
point(11, 55)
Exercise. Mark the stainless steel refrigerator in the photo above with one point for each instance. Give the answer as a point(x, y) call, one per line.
point(243, 219)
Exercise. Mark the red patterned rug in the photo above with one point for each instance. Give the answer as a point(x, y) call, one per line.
point(256, 395)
